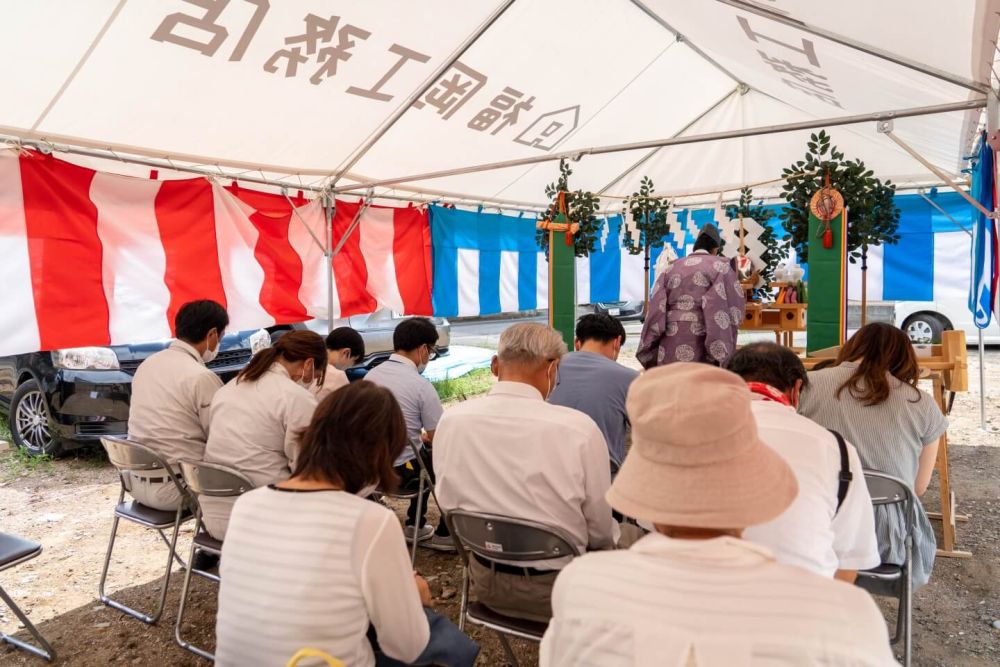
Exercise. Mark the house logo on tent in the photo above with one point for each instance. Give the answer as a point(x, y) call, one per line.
point(551, 128)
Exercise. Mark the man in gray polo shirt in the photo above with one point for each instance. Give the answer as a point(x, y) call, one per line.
point(592, 381)
point(414, 340)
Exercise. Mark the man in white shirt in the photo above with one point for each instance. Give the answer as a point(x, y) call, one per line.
point(171, 395)
point(693, 592)
point(414, 341)
point(344, 348)
point(830, 528)
point(511, 453)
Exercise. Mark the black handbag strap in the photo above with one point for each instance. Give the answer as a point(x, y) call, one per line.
point(845, 476)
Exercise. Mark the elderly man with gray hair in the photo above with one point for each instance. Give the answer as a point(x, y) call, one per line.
point(512, 454)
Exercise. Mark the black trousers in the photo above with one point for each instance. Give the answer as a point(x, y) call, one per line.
point(409, 480)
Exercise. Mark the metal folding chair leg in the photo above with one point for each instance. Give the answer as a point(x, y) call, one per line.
point(507, 649)
point(183, 643)
point(906, 616)
point(416, 524)
point(43, 650)
point(171, 555)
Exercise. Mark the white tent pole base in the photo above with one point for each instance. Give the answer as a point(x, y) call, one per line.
point(982, 382)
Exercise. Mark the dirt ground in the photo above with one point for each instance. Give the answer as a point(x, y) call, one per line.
point(66, 505)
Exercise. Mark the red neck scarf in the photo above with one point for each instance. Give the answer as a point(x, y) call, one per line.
point(769, 393)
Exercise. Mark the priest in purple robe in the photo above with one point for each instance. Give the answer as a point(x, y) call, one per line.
point(696, 308)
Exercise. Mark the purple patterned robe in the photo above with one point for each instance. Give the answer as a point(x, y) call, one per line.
point(695, 310)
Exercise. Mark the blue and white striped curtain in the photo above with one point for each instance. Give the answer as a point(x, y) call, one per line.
point(487, 263)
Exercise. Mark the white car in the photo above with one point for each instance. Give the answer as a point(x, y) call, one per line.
point(924, 321)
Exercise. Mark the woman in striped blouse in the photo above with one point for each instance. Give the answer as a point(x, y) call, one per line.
point(310, 562)
point(870, 396)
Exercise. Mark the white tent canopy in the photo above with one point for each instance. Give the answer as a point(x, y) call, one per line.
point(251, 87)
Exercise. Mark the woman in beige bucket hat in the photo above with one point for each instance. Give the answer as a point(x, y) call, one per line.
point(692, 592)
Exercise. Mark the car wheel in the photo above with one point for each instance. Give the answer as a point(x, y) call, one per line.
point(29, 421)
point(924, 329)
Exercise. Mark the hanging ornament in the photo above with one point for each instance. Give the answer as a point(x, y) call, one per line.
point(826, 204)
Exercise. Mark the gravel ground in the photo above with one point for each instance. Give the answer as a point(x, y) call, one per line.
point(66, 505)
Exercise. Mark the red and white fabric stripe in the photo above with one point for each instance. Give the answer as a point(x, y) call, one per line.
point(91, 258)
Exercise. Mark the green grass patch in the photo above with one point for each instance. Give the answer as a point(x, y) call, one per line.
point(5, 429)
point(17, 463)
point(475, 383)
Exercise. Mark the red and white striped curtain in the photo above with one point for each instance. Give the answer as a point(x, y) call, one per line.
point(91, 258)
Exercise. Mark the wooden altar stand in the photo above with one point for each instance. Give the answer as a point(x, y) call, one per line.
point(947, 368)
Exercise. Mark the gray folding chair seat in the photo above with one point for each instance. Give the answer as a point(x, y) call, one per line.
point(216, 481)
point(14, 551)
point(889, 579)
point(504, 540)
point(128, 457)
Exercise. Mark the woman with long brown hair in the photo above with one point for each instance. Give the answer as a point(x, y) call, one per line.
point(256, 419)
point(870, 395)
point(310, 562)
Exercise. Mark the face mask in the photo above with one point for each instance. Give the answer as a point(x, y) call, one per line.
point(552, 380)
point(209, 355)
point(367, 490)
point(302, 379)
point(421, 367)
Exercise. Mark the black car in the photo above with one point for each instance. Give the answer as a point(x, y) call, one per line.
point(61, 400)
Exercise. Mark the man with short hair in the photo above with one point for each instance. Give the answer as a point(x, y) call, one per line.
point(344, 348)
point(592, 381)
point(510, 453)
point(171, 394)
point(830, 528)
point(695, 309)
point(693, 592)
point(414, 341)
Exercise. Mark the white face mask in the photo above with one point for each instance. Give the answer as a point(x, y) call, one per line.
point(302, 379)
point(552, 380)
point(421, 367)
point(209, 355)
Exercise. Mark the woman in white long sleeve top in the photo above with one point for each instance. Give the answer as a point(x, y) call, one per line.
point(310, 562)
point(256, 419)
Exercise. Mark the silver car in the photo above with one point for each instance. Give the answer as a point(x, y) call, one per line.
point(376, 330)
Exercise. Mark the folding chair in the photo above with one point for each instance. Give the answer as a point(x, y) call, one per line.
point(128, 456)
point(14, 551)
point(889, 579)
point(409, 494)
point(497, 538)
point(217, 481)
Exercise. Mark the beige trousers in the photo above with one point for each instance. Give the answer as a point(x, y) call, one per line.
point(158, 495)
point(513, 594)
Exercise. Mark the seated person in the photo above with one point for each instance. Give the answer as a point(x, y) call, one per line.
point(414, 340)
point(172, 392)
point(821, 531)
point(592, 381)
point(511, 453)
point(309, 563)
point(344, 348)
point(258, 416)
point(693, 592)
point(870, 396)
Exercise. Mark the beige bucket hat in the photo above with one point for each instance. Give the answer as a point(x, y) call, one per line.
point(696, 459)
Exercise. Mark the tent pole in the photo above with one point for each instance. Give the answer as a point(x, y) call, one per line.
point(772, 15)
point(682, 38)
point(361, 150)
point(982, 382)
point(330, 203)
point(644, 159)
point(944, 213)
point(677, 141)
point(885, 127)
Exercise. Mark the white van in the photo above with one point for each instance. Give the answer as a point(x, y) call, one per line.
point(924, 321)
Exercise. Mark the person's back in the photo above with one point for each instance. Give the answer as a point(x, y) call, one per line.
point(871, 398)
point(707, 603)
point(293, 575)
point(171, 396)
point(169, 405)
point(512, 454)
point(257, 417)
point(829, 527)
point(593, 382)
